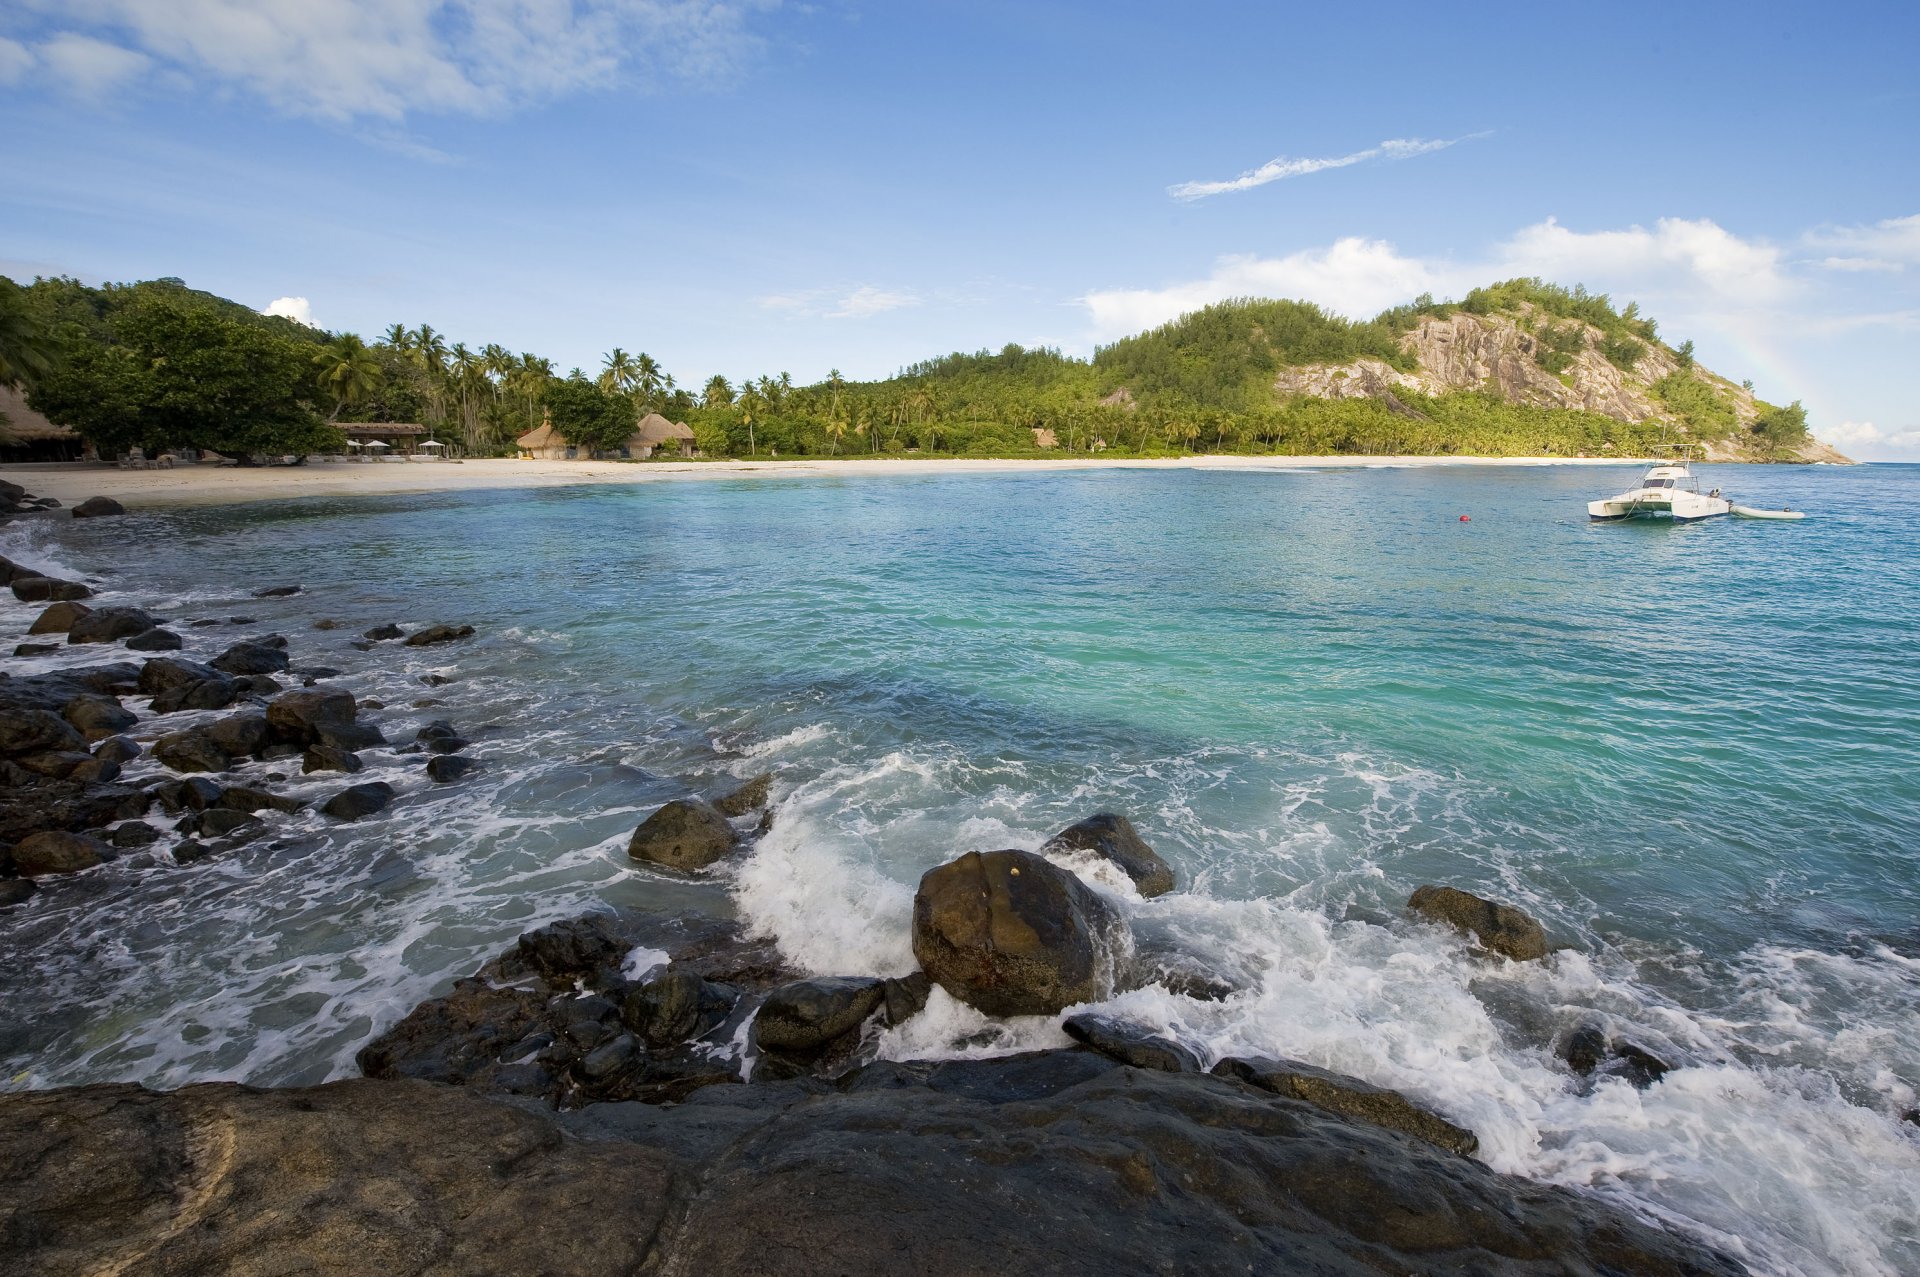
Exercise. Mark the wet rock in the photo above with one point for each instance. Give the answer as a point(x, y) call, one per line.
point(117, 749)
point(98, 508)
point(133, 833)
point(217, 692)
point(435, 680)
point(33, 731)
point(326, 623)
point(154, 640)
point(57, 851)
point(749, 797)
point(449, 1039)
point(190, 793)
point(243, 620)
point(906, 996)
point(191, 751)
point(70, 805)
point(277, 592)
point(59, 618)
point(686, 834)
point(1013, 934)
point(807, 1017)
point(448, 768)
point(240, 734)
point(381, 633)
point(676, 1007)
point(35, 649)
point(435, 634)
point(1130, 1043)
point(350, 736)
point(1113, 837)
point(1584, 1047)
point(218, 822)
point(610, 1059)
point(360, 801)
point(1349, 1097)
point(325, 758)
point(261, 686)
point(1633, 1062)
point(94, 771)
point(14, 891)
point(574, 947)
point(1499, 928)
point(45, 589)
point(97, 717)
point(297, 718)
point(57, 764)
point(166, 673)
point(110, 625)
point(247, 799)
point(251, 658)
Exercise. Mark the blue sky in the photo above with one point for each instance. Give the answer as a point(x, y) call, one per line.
point(756, 187)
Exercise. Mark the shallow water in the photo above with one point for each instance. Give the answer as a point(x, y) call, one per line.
point(1690, 750)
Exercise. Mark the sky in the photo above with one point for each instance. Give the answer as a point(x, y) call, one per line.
point(752, 186)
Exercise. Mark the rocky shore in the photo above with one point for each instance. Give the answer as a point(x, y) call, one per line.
point(633, 1092)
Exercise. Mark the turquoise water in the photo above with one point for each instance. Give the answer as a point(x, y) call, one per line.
point(1689, 749)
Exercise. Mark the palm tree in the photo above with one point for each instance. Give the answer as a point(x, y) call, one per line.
point(752, 410)
point(648, 380)
point(618, 373)
point(429, 349)
point(530, 377)
point(27, 348)
point(467, 368)
point(835, 383)
point(349, 371)
point(398, 337)
point(718, 392)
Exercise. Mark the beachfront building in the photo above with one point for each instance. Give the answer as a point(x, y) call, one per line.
point(654, 433)
point(25, 435)
point(398, 436)
point(543, 443)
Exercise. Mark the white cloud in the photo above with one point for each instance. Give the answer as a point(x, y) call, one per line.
point(295, 308)
point(350, 59)
point(1880, 246)
point(15, 61)
point(862, 303)
point(1279, 169)
point(90, 67)
point(1856, 265)
point(1865, 439)
point(1699, 254)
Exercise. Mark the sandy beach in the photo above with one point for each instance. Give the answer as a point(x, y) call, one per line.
point(213, 485)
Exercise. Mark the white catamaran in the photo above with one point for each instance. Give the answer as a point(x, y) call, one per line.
point(1667, 491)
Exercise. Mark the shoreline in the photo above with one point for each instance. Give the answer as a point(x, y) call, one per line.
point(220, 485)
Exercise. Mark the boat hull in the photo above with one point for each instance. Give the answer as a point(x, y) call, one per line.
point(1681, 507)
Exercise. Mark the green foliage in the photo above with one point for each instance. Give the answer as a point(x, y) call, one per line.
point(1782, 427)
point(1685, 353)
point(1512, 295)
point(1556, 346)
point(1701, 408)
point(589, 417)
point(27, 345)
point(1622, 352)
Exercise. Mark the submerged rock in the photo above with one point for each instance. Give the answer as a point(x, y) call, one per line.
point(277, 592)
point(1499, 928)
point(154, 640)
point(435, 634)
point(1131, 1043)
point(360, 801)
point(745, 798)
point(1350, 1097)
point(1114, 838)
point(686, 834)
point(446, 769)
point(1013, 934)
point(382, 633)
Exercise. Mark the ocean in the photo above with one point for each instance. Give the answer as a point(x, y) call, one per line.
point(1689, 750)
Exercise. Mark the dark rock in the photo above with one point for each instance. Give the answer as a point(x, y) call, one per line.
point(166, 673)
point(246, 799)
point(133, 833)
point(1584, 1048)
point(117, 749)
point(191, 751)
point(59, 618)
point(263, 686)
point(154, 640)
point(428, 703)
point(193, 793)
point(221, 823)
point(676, 1007)
point(35, 649)
point(33, 731)
point(359, 801)
point(325, 758)
point(240, 734)
point(277, 592)
point(326, 623)
point(97, 717)
point(110, 625)
point(296, 718)
point(217, 692)
point(1130, 1043)
point(1636, 1064)
point(57, 851)
point(14, 891)
point(360, 645)
point(1114, 838)
point(1350, 1097)
point(449, 1039)
point(749, 797)
point(243, 620)
point(808, 1016)
point(45, 589)
point(609, 1059)
point(446, 745)
point(438, 634)
point(95, 771)
point(313, 673)
point(381, 633)
point(70, 805)
point(448, 768)
point(350, 736)
point(1499, 928)
point(371, 703)
point(251, 658)
point(435, 680)
point(907, 996)
point(574, 947)
point(58, 764)
point(686, 834)
point(438, 729)
point(204, 622)
point(1013, 934)
point(98, 508)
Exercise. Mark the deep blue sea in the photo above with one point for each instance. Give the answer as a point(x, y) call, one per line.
point(1693, 751)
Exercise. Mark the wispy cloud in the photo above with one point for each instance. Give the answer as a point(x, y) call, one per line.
point(832, 303)
point(1888, 245)
point(1283, 167)
point(345, 60)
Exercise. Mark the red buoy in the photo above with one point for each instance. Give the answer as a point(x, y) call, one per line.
point(1465, 519)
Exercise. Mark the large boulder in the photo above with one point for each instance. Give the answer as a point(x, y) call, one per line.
point(35, 731)
point(155, 640)
point(217, 692)
point(686, 834)
point(359, 801)
point(1499, 928)
point(58, 618)
point(808, 1017)
point(98, 717)
point(1114, 838)
point(46, 589)
point(242, 733)
point(98, 508)
point(251, 658)
point(1350, 1097)
point(191, 751)
point(110, 625)
point(299, 718)
point(1014, 934)
point(56, 851)
point(166, 673)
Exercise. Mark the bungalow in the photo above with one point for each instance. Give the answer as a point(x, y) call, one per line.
point(655, 432)
point(25, 435)
point(543, 443)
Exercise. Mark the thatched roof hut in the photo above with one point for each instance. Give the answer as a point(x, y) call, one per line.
point(543, 443)
point(25, 435)
point(655, 431)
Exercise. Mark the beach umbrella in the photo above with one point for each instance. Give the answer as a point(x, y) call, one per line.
point(376, 443)
point(433, 443)
point(353, 443)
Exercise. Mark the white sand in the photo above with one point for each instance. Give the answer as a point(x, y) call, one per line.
point(211, 485)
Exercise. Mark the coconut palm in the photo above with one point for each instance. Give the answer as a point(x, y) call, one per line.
point(718, 392)
point(648, 380)
point(27, 348)
point(618, 372)
point(466, 369)
point(349, 370)
point(398, 337)
point(753, 408)
point(835, 383)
